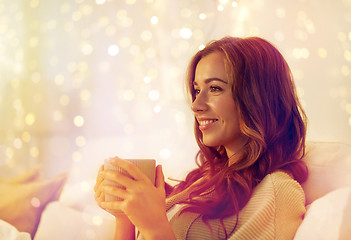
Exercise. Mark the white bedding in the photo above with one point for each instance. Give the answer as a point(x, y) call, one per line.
point(59, 222)
point(9, 232)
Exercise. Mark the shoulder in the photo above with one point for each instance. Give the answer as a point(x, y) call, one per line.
point(278, 177)
point(279, 181)
point(284, 199)
point(275, 209)
point(282, 184)
point(279, 189)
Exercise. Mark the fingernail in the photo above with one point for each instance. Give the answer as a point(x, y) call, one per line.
point(113, 160)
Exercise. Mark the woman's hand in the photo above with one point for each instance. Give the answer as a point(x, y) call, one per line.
point(125, 230)
point(142, 201)
point(99, 195)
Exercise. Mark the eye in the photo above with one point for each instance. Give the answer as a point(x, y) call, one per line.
point(215, 89)
point(196, 91)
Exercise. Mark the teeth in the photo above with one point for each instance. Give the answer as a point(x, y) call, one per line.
point(205, 122)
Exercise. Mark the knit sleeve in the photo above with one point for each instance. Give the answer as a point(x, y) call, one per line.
point(290, 206)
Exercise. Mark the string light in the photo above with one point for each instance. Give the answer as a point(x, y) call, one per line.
point(113, 50)
point(17, 143)
point(322, 52)
point(347, 55)
point(202, 46)
point(154, 20)
point(157, 109)
point(185, 33)
point(30, 119)
point(202, 16)
point(78, 121)
point(154, 95)
point(147, 79)
point(26, 137)
point(87, 49)
point(220, 8)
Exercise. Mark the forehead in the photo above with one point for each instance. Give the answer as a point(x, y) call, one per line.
point(212, 66)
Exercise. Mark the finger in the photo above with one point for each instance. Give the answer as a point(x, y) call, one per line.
point(129, 167)
point(99, 198)
point(98, 192)
point(99, 178)
point(118, 177)
point(115, 191)
point(160, 178)
point(97, 195)
point(117, 205)
point(102, 197)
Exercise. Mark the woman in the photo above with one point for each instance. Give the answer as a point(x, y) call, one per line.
point(250, 129)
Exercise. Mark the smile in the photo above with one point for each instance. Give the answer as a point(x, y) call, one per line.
point(205, 124)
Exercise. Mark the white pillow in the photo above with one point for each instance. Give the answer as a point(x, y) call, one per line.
point(328, 217)
point(9, 232)
point(60, 222)
point(329, 165)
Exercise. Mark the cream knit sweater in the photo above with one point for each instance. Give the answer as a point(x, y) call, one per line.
point(274, 211)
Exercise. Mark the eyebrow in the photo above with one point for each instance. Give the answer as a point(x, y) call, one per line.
point(209, 80)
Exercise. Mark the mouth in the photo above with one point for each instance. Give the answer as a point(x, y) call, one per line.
point(206, 123)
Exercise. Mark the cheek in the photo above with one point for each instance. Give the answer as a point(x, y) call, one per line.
point(222, 105)
point(227, 110)
point(230, 116)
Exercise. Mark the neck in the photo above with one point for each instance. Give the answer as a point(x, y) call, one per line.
point(234, 153)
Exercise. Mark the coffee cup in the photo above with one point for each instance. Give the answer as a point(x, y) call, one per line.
point(147, 166)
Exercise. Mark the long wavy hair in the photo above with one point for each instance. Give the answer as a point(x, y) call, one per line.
point(271, 117)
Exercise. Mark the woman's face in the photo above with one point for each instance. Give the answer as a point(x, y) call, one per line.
point(214, 106)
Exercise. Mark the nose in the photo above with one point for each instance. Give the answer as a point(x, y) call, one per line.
point(199, 104)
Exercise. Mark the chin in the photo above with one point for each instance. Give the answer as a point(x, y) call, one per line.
point(209, 143)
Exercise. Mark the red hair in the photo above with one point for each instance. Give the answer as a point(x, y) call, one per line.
point(271, 117)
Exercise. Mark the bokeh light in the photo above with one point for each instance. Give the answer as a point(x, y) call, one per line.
point(35, 202)
point(113, 50)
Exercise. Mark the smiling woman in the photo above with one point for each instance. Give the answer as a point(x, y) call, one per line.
point(214, 105)
point(250, 128)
